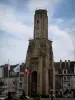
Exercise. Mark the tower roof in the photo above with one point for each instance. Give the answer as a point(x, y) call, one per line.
point(41, 10)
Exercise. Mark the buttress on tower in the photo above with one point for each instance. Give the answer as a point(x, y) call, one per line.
point(39, 58)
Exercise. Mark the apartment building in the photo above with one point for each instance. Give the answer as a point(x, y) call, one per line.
point(65, 75)
point(13, 81)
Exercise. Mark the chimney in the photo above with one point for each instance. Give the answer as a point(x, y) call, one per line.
point(69, 63)
point(60, 64)
point(74, 68)
point(65, 62)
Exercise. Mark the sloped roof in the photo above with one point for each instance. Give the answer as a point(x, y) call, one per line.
point(70, 68)
point(5, 70)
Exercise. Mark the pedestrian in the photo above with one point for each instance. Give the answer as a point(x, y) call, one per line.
point(23, 96)
point(51, 97)
point(9, 96)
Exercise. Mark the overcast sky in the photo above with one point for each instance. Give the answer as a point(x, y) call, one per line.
point(16, 27)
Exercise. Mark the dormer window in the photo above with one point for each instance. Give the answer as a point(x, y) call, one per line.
point(65, 71)
point(64, 78)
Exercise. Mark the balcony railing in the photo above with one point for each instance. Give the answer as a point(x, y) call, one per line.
point(65, 74)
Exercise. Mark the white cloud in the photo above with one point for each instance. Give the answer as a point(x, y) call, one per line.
point(38, 4)
point(59, 20)
point(58, 32)
point(2, 13)
point(43, 4)
point(12, 23)
point(62, 45)
point(15, 51)
point(18, 29)
point(70, 24)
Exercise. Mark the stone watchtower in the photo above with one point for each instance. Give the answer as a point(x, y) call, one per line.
point(39, 58)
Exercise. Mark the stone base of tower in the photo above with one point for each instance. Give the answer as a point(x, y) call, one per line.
point(39, 62)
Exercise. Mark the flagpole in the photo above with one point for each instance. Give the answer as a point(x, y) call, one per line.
point(8, 75)
point(27, 83)
point(26, 80)
point(17, 70)
point(19, 75)
point(19, 78)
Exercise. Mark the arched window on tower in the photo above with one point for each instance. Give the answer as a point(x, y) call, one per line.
point(37, 21)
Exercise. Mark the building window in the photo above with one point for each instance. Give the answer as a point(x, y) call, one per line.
point(37, 21)
point(68, 78)
point(65, 71)
point(68, 84)
point(64, 78)
point(14, 82)
point(20, 85)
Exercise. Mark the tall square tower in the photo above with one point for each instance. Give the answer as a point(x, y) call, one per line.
point(39, 58)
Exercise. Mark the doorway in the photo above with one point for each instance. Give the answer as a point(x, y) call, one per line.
point(34, 82)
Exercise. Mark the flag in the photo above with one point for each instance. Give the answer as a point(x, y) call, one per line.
point(26, 72)
point(17, 68)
